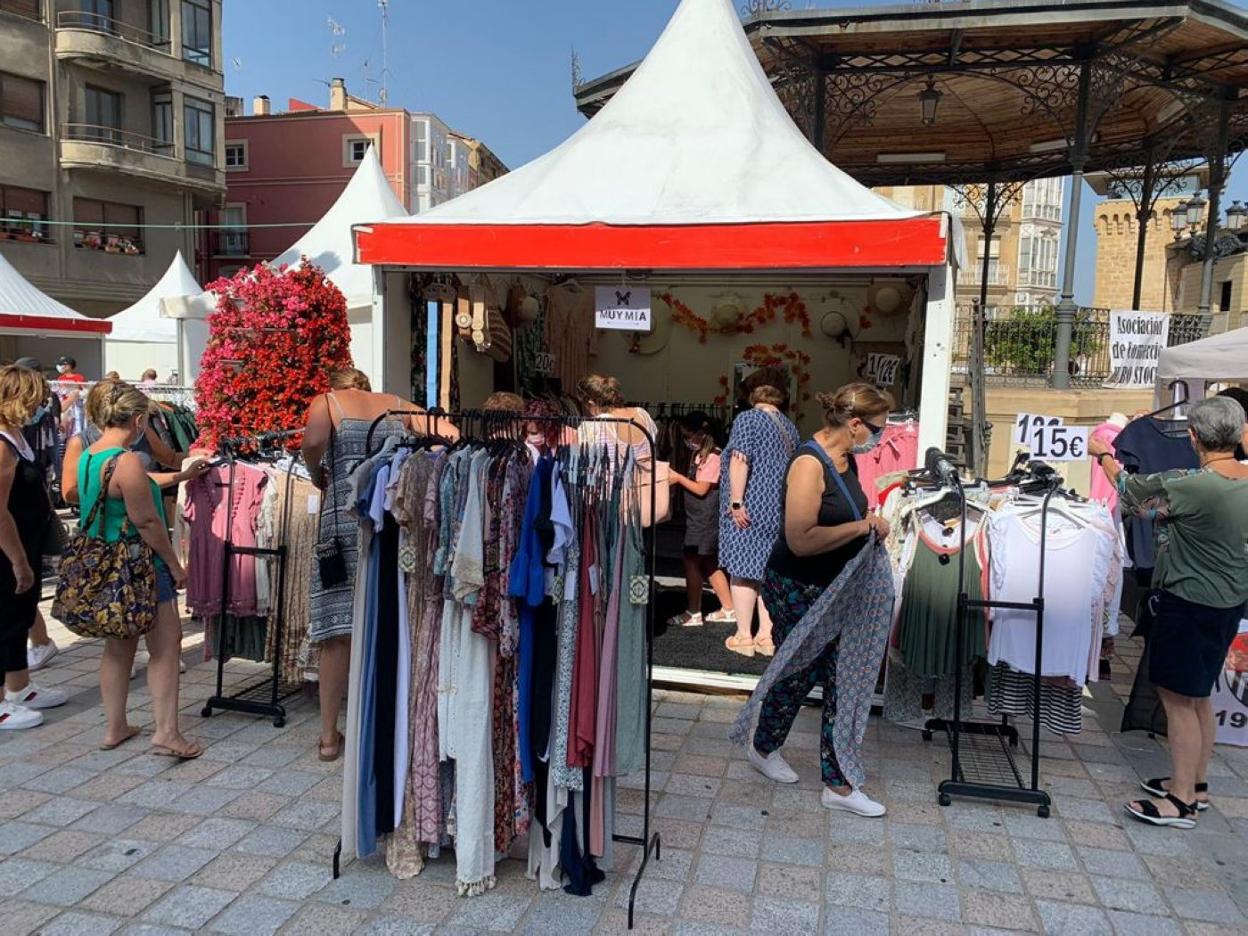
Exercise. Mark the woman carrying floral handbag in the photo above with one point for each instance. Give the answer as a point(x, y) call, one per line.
point(121, 587)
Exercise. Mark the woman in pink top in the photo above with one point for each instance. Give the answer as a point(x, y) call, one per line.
point(701, 555)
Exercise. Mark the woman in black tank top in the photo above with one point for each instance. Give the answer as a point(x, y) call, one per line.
point(825, 524)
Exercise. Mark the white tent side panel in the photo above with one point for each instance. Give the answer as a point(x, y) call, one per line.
point(1218, 359)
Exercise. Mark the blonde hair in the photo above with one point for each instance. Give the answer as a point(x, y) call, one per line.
point(600, 391)
point(22, 391)
point(766, 393)
point(349, 378)
point(501, 402)
point(855, 400)
point(113, 403)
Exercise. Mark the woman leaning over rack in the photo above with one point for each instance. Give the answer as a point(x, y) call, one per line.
point(133, 501)
point(825, 525)
point(1201, 586)
point(335, 441)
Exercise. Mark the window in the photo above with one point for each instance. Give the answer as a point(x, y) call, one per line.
point(162, 122)
point(422, 141)
point(197, 32)
point(1224, 302)
point(21, 103)
point(30, 9)
point(354, 148)
point(236, 154)
point(107, 226)
point(158, 21)
point(1042, 198)
point(422, 175)
point(1037, 258)
point(21, 210)
point(103, 115)
point(97, 14)
point(201, 131)
point(232, 236)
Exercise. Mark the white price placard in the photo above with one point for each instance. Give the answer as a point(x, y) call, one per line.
point(622, 308)
point(881, 369)
point(1049, 439)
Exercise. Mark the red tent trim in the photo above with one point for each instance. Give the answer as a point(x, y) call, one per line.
point(757, 246)
point(50, 323)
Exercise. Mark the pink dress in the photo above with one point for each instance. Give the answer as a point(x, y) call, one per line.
point(1102, 490)
point(207, 512)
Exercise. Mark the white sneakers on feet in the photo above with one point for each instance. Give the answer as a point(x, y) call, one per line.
point(37, 657)
point(32, 697)
point(857, 803)
point(14, 717)
point(772, 766)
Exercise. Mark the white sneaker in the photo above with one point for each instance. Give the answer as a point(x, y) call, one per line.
point(32, 697)
point(37, 657)
point(857, 803)
point(773, 766)
point(14, 717)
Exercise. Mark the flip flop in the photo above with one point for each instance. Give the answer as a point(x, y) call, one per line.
point(330, 758)
point(192, 752)
point(131, 733)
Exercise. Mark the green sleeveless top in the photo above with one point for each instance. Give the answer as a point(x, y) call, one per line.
point(112, 516)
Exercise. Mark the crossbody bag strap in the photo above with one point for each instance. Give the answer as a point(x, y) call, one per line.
point(785, 439)
point(823, 456)
point(106, 478)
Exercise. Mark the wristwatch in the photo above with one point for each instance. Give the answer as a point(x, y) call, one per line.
point(735, 505)
point(1101, 458)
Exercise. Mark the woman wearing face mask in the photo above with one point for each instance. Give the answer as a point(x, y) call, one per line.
point(133, 504)
point(701, 556)
point(825, 525)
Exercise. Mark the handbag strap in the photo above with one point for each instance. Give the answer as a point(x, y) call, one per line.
point(823, 456)
point(785, 439)
point(106, 479)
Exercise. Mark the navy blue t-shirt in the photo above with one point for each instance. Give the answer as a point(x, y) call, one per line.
point(1148, 446)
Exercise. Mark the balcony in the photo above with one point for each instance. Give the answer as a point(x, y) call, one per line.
point(973, 275)
point(97, 41)
point(111, 149)
point(231, 243)
point(1038, 279)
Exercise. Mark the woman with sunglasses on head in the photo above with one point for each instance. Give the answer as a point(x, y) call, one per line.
point(825, 524)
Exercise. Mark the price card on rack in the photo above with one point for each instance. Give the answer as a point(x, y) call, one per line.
point(1048, 438)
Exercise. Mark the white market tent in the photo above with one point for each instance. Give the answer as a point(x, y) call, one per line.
point(694, 166)
point(329, 245)
point(1218, 359)
point(141, 336)
point(41, 327)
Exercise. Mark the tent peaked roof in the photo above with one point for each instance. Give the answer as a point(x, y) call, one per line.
point(697, 140)
point(696, 136)
point(24, 308)
point(143, 321)
point(367, 197)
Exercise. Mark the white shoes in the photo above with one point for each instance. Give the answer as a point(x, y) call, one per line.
point(773, 766)
point(14, 717)
point(37, 657)
point(857, 803)
point(32, 697)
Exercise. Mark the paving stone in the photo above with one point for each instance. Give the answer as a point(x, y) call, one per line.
point(724, 908)
point(856, 923)
point(776, 915)
point(655, 896)
point(1208, 906)
point(932, 901)
point(739, 843)
point(917, 837)
point(990, 876)
point(1134, 924)
point(110, 819)
point(1052, 856)
point(271, 841)
point(325, 920)
point(67, 887)
point(1007, 911)
point(848, 829)
point(396, 926)
point(77, 923)
point(61, 811)
point(118, 854)
point(1067, 919)
point(675, 866)
point(59, 780)
point(981, 845)
point(790, 881)
point(307, 815)
point(1033, 827)
point(239, 777)
point(366, 890)
point(126, 896)
point(738, 817)
point(157, 794)
point(217, 834)
point(922, 866)
point(189, 906)
point(234, 871)
point(688, 808)
point(204, 801)
point(18, 836)
point(1132, 896)
point(414, 901)
point(729, 873)
point(797, 851)
point(295, 880)
point(63, 846)
point(174, 863)
point(858, 890)
point(16, 874)
point(254, 914)
point(1058, 886)
point(1086, 810)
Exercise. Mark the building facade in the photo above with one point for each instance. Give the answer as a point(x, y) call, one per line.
point(111, 121)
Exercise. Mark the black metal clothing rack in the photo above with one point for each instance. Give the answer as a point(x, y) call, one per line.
point(983, 764)
point(263, 697)
point(498, 426)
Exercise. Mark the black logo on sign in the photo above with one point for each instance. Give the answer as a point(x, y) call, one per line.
point(624, 298)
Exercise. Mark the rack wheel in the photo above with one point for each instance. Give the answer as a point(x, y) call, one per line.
point(1042, 812)
point(207, 711)
point(945, 799)
point(927, 735)
point(279, 722)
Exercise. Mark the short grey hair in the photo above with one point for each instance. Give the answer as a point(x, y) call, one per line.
point(1218, 423)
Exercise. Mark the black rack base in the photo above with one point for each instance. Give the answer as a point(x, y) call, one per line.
point(255, 699)
point(985, 765)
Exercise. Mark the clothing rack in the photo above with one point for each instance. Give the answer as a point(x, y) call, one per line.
point(262, 697)
point(497, 427)
point(983, 764)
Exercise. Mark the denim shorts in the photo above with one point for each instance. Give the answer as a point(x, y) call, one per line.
point(164, 584)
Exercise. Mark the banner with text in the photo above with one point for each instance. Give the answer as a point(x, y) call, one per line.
point(1136, 340)
point(622, 308)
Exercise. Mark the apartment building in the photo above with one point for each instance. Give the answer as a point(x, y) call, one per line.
point(111, 121)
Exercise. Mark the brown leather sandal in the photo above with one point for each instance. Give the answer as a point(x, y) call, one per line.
point(333, 753)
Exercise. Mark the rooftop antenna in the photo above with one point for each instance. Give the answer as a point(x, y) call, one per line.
point(383, 94)
point(336, 31)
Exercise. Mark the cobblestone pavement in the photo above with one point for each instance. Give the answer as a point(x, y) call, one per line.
point(240, 841)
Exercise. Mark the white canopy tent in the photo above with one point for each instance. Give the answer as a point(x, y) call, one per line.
point(34, 324)
point(329, 245)
point(142, 337)
point(1218, 359)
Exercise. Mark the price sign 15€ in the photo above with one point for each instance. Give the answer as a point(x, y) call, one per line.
point(1049, 439)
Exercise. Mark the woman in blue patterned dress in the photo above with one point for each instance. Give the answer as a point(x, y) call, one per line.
point(751, 483)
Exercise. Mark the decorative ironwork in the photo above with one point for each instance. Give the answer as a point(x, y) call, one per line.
point(759, 7)
point(577, 77)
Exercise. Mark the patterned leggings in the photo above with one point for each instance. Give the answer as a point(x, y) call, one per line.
point(787, 600)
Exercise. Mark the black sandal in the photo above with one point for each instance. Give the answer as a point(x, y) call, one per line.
point(1156, 787)
point(1146, 811)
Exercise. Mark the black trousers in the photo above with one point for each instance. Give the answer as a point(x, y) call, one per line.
point(17, 616)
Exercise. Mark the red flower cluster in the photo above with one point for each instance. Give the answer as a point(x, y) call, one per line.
point(273, 339)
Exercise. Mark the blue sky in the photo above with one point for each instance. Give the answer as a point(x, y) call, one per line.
point(497, 69)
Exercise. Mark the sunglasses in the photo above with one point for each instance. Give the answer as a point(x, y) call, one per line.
point(875, 430)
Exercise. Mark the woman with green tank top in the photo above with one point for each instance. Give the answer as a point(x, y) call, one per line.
point(133, 509)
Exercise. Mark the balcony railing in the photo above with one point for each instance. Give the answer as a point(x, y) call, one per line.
point(231, 243)
point(1019, 343)
point(95, 22)
point(1044, 279)
point(972, 275)
point(1045, 212)
point(115, 136)
point(27, 9)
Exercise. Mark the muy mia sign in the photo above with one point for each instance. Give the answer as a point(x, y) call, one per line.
point(622, 308)
point(1136, 340)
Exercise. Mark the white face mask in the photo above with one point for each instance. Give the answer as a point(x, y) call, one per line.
point(62, 368)
point(537, 439)
point(872, 441)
